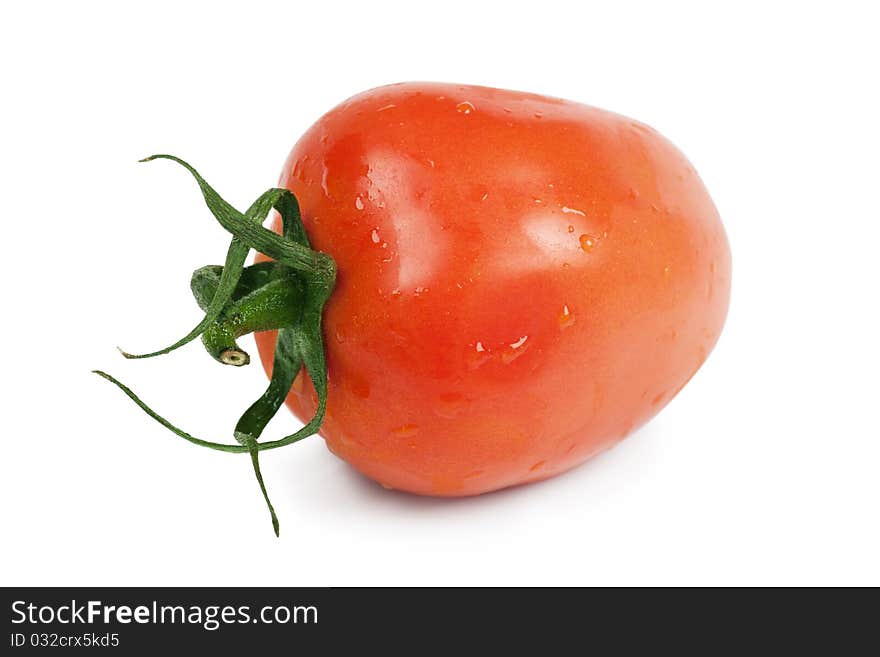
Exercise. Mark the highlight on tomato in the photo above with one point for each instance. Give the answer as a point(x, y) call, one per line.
point(465, 288)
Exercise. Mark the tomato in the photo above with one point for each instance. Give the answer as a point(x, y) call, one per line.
point(522, 282)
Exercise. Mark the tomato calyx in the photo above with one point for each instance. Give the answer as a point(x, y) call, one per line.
point(286, 295)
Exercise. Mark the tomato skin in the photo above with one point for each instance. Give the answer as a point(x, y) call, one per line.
point(522, 282)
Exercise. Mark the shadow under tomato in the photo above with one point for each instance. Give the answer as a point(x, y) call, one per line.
point(345, 489)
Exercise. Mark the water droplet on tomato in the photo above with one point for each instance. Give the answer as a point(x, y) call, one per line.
point(324, 173)
point(568, 210)
point(519, 343)
point(464, 107)
point(587, 242)
point(346, 441)
point(359, 386)
point(571, 229)
point(514, 350)
point(477, 356)
point(405, 431)
point(479, 192)
point(375, 236)
point(539, 115)
point(450, 405)
point(538, 466)
point(359, 203)
point(565, 317)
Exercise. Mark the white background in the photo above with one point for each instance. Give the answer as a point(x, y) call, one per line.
point(763, 471)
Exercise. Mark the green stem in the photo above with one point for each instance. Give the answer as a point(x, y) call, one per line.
point(272, 306)
point(287, 295)
point(236, 449)
point(254, 235)
point(255, 461)
point(235, 258)
point(285, 367)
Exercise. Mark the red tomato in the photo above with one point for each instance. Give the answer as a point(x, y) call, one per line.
point(522, 282)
